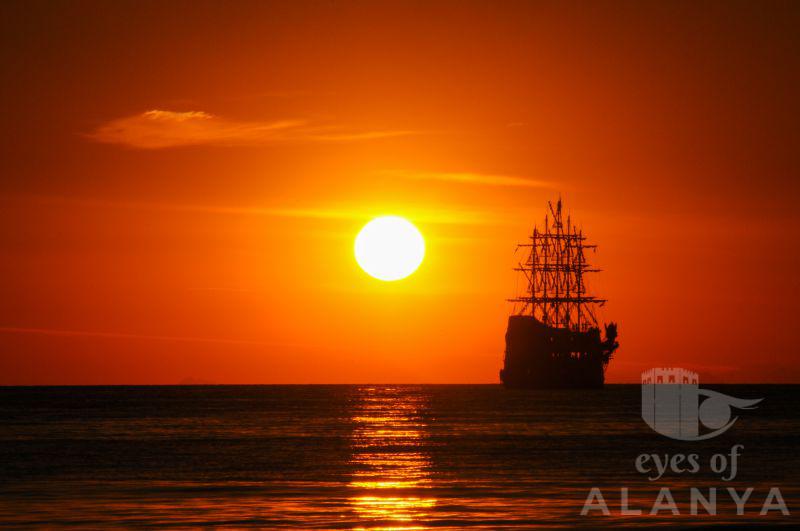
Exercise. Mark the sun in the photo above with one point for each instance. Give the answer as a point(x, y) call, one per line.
point(389, 248)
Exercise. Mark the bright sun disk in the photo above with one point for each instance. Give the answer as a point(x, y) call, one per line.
point(389, 248)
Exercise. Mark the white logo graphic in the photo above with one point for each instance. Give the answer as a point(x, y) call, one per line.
point(671, 405)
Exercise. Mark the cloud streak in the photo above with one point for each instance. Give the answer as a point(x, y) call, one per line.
point(485, 179)
point(159, 129)
point(117, 335)
point(432, 215)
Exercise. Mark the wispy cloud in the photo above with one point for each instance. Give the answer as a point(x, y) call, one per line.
point(346, 213)
point(487, 179)
point(118, 335)
point(158, 129)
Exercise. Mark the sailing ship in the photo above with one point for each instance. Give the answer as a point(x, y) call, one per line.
point(553, 339)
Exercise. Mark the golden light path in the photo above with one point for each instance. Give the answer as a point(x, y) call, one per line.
point(391, 472)
point(389, 248)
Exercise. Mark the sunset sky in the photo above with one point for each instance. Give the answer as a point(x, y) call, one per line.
point(182, 184)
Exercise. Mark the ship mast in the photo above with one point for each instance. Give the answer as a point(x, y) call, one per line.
point(556, 293)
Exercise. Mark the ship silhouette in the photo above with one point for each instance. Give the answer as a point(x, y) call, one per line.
point(553, 339)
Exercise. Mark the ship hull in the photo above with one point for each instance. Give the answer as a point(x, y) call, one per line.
point(542, 357)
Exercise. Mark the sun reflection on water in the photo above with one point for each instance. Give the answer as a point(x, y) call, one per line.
point(391, 473)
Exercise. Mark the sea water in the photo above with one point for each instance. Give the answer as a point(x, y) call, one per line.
point(377, 457)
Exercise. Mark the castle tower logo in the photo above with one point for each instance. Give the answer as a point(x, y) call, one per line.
point(671, 405)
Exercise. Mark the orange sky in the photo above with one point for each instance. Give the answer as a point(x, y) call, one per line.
point(182, 183)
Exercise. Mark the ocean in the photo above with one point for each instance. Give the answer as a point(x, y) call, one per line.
point(381, 457)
